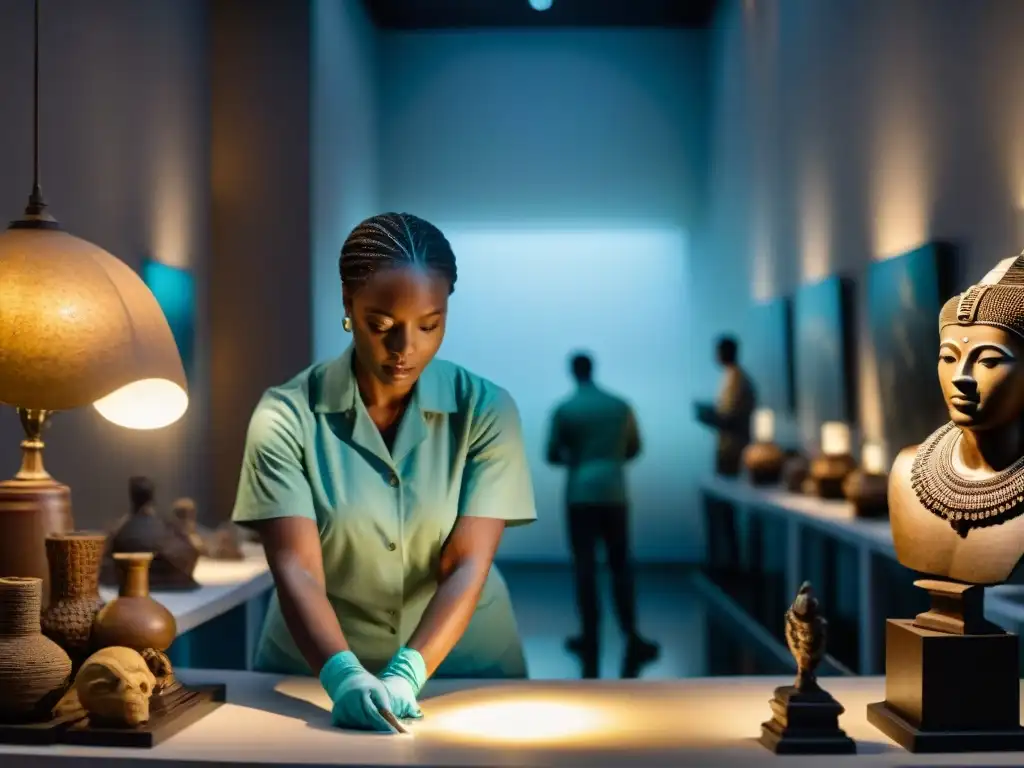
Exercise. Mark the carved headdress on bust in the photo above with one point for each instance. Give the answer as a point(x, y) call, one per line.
point(996, 301)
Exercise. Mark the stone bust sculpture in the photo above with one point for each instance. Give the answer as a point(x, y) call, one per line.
point(957, 500)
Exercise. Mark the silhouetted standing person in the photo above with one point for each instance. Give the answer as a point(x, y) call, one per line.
point(730, 417)
point(733, 410)
point(594, 434)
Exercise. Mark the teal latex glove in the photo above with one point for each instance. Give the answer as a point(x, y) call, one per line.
point(356, 695)
point(404, 677)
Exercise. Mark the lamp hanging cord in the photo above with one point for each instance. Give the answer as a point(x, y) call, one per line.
point(36, 203)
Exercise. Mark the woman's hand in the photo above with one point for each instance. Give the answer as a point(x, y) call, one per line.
point(404, 677)
point(358, 697)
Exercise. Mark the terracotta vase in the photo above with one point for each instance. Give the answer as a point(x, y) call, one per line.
point(34, 671)
point(134, 619)
point(75, 600)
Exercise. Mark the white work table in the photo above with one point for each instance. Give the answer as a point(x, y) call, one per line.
point(275, 721)
point(225, 586)
point(868, 537)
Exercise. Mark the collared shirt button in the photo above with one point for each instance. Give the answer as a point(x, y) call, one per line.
point(392, 612)
point(392, 546)
point(393, 480)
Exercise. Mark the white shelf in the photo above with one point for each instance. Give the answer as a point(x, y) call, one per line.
point(836, 518)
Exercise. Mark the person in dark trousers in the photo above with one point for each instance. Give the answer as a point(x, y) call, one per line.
point(594, 434)
point(730, 417)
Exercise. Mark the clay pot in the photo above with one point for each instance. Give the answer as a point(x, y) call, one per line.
point(764, 462)
point(134, 619)
point(74, 560)
point(34, 671)
point(826, 475)
point(145, 529)
point(869, 493)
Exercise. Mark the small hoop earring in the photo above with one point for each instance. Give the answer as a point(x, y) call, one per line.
point(346, 324)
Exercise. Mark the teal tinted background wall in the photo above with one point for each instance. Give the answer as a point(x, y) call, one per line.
point(175, 292)
point(344, 167)
point(854, 130)
point(567, 170)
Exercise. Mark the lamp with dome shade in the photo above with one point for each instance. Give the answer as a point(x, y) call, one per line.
point(77, 327)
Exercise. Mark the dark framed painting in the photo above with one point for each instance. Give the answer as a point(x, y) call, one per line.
point(824, 356)
point(905, 296)
point(175, 292)
point(768, 357)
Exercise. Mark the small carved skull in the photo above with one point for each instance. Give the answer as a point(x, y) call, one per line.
point(114, 686)
point(161, 668)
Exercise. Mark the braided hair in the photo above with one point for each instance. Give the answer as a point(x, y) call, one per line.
point(390, 240)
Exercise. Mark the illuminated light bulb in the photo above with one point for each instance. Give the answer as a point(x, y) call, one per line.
point(144, 404)
point(872, 459)
point(835, 438)
point(540, 5)
point(764, 425)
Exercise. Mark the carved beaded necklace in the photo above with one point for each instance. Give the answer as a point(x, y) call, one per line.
point(964, 504)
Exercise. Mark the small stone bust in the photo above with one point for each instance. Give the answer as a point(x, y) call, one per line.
point(114, 687)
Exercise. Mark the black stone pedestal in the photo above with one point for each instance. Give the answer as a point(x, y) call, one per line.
point(805, 724)
point(169, 714)
point(949, 692)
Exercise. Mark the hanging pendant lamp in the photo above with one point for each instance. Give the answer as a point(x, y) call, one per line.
point(77, 325)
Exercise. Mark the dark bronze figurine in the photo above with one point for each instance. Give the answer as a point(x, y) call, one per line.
point(806, 636)
point(805, 717)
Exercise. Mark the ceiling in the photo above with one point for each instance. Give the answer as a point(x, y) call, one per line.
point(463, 14)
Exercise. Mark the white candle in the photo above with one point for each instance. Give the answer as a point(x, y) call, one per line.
point(835, 438)
point(872, 459)
point(764, 425)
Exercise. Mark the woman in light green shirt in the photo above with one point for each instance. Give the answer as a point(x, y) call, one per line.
point(380, 484)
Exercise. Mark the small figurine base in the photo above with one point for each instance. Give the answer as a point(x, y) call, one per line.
point(37, 734)
point(805, 723)
point(947, 692)
point(169, 713)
